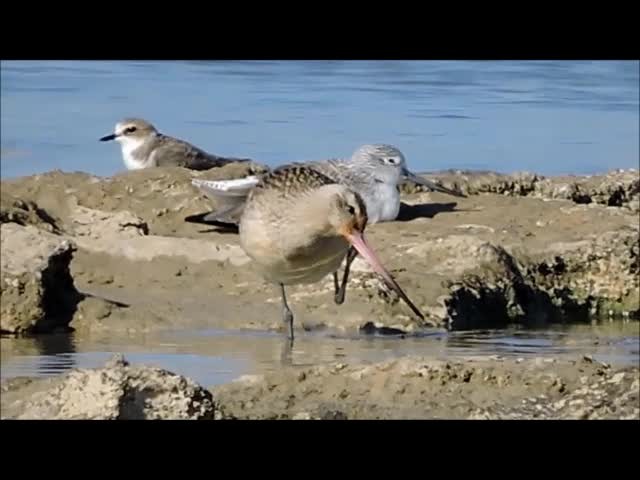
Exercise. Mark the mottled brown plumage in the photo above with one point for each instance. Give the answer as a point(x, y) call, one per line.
point(298, 225)
point(292, 179)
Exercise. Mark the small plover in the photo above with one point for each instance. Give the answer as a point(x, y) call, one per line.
point(143, 146)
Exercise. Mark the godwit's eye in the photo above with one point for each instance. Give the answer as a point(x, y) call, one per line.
point(392, 161)
point(351, 210)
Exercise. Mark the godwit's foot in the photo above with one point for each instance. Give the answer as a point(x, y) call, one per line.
point(336, 289)
point(286, 351)
point(341, 292)
point(287, 315)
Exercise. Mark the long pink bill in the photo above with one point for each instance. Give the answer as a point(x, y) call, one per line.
point(357, 240)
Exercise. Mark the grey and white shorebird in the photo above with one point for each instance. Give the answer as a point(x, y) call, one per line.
point(143, 146)
point(374, 171)
point(297, 226)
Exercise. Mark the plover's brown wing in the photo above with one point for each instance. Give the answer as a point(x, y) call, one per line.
point(174, 152)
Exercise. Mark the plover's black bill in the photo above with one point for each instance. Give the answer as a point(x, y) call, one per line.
point(106, 138)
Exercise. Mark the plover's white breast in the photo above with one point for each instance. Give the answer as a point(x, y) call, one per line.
point(129, 147)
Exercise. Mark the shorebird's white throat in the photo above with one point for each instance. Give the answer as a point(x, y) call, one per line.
point(129, 147)
point(132, 135)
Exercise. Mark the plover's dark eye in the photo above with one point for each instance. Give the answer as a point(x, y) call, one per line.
point(351, 210)
point(130, 129)
point(392, 161)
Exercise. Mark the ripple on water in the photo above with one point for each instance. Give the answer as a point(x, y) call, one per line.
point(212, 357)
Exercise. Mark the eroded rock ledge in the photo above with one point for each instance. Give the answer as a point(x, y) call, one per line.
point(37, 291)
point(619, 188)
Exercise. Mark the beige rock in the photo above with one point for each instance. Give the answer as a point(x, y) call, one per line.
point(38, 293)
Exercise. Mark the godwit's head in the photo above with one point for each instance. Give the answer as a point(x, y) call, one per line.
point(348, 218)
point(347, 212)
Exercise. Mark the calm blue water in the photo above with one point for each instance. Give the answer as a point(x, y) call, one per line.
point(550, 117)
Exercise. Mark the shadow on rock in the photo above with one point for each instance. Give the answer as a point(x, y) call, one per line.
point(220, 227)
point(425, 210)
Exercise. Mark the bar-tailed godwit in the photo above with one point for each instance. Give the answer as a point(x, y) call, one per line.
point(297, 225)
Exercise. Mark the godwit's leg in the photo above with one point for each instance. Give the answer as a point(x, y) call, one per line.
point(287, 315)
point(340, 293)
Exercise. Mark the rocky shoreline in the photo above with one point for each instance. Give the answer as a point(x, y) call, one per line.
point(512, 252)
point(404, 388)
point(117, 254)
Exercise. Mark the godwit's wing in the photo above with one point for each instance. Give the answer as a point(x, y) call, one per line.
point(290, 180)
point(279, 214)
point(229, 196)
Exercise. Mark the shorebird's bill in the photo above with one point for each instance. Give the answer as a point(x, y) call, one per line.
point(357, 240)
point(107, 138)
point(412, 177)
